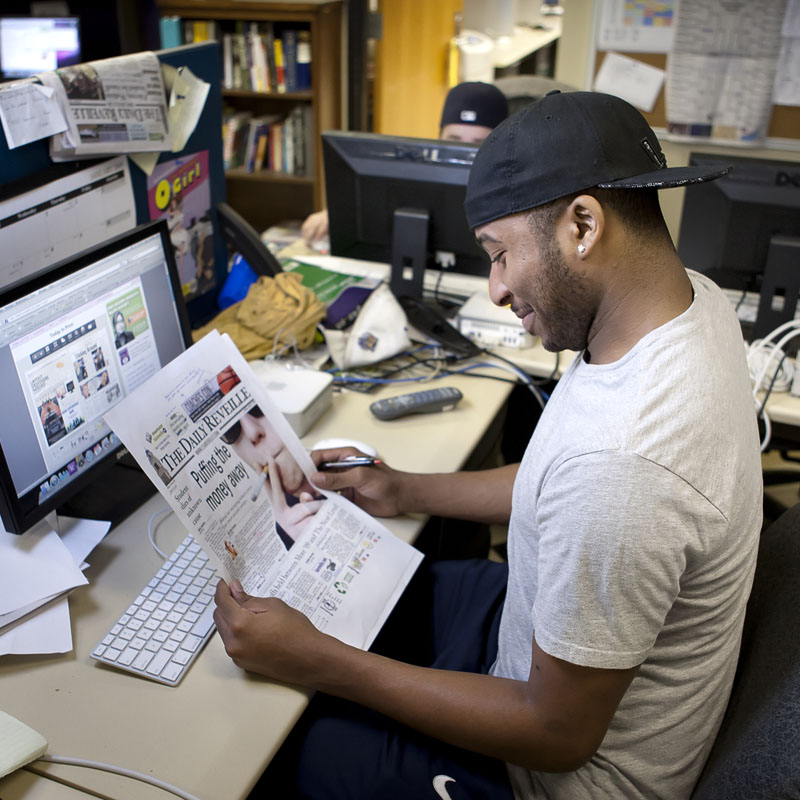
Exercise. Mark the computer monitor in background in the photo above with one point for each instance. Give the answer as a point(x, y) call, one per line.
point(401, 200)
point(74, 341)
point(743, 231)
point(37, 44)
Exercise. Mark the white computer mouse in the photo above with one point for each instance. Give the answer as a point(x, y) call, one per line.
point(330, 444)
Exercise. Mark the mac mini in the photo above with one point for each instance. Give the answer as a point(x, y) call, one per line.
point(302, 395)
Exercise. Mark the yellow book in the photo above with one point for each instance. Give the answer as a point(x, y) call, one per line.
point(280, 72)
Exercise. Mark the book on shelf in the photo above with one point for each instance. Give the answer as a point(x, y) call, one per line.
point(289, 46)
point(303, 60)
point(280, 66)
point(233, 125)
point(268, 35)
point(227, 61)
point(169, 29)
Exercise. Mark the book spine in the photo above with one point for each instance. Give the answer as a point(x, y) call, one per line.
point(280, 74)
point(303, 61)
point(252, 57)
point(289, 44)
point(288, 145)
point(298, 144)
point(170, 32)
point(269, 45)
point(261, 147)
point(227, 61)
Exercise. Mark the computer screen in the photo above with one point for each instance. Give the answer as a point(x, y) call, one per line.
point(37, 44)
point(73, 342)
point(370, 177)
point(743, 231)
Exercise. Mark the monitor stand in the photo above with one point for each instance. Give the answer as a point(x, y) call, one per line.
point(409, 252)
point(409, 259)
point(780, 286)
point(116, 494)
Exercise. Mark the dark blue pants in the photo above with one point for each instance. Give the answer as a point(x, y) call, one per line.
point(448, 618)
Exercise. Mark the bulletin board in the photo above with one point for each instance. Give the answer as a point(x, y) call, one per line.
point(784, 123)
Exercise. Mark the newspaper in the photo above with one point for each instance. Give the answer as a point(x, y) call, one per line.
point(233, 470)
point(117, 105)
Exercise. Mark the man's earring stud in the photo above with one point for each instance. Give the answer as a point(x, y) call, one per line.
point(581, 249)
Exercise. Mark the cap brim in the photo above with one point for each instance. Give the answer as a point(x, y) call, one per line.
point(667, 178)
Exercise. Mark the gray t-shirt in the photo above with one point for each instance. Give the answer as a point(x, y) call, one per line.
point(632, 540)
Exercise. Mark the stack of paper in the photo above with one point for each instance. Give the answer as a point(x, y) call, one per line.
point(37, 571)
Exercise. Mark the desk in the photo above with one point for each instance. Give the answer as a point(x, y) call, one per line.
point(213, 735)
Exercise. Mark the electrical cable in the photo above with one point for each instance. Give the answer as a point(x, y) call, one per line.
point(150, 534)
point(789, 330)
point(127, 773)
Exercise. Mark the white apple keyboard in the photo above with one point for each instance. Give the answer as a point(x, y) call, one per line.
point(166, 626)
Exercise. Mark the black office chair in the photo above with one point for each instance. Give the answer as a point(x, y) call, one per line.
point(756, 755)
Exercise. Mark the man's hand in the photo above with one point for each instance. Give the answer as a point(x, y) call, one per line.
point(315, 227)
point(263, 634)
point(376, 489)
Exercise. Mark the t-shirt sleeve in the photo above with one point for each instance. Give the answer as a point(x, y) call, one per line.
point(611, 559)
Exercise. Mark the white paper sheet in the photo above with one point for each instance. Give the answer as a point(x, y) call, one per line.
point(787, 77)
point(28, 112)
point(630, 79)
point(63, 217)
point(48, 631)
point(34, 566)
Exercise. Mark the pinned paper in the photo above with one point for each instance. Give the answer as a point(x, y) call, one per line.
point(630, 79)
point(28, 112)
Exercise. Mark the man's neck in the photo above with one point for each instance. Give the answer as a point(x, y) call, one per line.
point(662, 293)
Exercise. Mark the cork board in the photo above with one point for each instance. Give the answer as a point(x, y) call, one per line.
point(785, 121)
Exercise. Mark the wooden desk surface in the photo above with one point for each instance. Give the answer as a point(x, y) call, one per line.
point(214, 733)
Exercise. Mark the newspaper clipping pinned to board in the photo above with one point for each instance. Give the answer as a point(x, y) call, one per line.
point(237, 476)
point(117, 105)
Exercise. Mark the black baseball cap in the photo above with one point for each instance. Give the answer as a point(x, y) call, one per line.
point(567, 142)
point(474, 103)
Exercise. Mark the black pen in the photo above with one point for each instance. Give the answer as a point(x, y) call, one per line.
point(350, 461)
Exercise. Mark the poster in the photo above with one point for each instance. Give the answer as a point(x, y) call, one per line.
point(179, 190)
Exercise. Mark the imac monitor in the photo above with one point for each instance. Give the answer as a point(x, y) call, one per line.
point(401, 200)
point(37, 44)
point(743, 231)
point(74, 341)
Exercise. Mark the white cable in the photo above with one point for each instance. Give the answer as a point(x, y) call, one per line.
point(128, 773)
point(755, 358)
point(784, 367)
point(150, 536)
point(777, 350)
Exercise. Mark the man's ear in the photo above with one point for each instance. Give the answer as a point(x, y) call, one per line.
point(586, 222)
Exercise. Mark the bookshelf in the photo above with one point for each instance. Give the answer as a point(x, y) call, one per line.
point(275, 192)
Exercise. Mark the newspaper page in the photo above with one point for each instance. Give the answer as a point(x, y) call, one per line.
point(117, 105)
point(235, 473)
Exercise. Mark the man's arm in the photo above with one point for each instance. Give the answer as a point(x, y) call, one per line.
point(554, 721)
point(480, 496)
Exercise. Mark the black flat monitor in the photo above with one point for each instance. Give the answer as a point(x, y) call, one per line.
point(743, 231)
point(37, 44)
point(401, 200)
point(74, 341)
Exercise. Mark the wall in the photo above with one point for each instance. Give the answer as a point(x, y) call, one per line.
point(575, 65)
